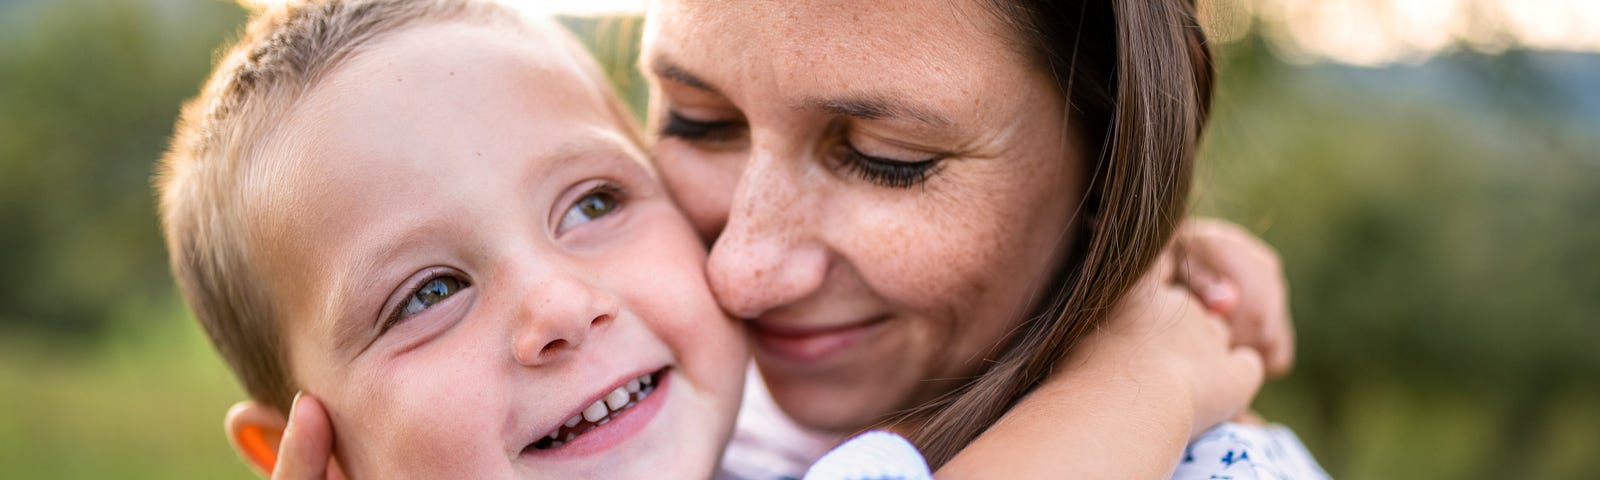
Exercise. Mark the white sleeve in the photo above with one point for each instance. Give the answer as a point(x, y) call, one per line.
point(872, 456)
point(767, 445)
point(1229, 451)
point(1246, 452)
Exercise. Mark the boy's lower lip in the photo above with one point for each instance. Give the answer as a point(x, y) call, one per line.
point(811, 347)
point(620, 429)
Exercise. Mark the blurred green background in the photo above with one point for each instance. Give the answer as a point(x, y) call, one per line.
point(1439, 218)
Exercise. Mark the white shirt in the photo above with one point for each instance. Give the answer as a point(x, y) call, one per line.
point(767, 445)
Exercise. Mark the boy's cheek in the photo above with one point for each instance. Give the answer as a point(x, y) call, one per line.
point(376, 448)
point(407, 425)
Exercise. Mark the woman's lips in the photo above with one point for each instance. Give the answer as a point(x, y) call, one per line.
point(810, 345)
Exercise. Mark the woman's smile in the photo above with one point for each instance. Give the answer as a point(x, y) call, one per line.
point(811, 347)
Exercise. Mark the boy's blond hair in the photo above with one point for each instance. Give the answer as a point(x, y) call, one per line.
point(218, 169)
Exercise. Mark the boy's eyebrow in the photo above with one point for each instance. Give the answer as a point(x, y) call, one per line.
point(350, 326)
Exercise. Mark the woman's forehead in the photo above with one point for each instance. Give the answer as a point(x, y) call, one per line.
point(918, 60)
point(828, 29)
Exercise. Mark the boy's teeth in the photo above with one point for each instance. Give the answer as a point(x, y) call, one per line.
point(600, 412)
point(617, 398)
point(595, 412)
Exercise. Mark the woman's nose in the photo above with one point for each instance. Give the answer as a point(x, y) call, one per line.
point(767, 255)
point(557, 317)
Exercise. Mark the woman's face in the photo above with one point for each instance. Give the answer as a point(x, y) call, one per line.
point(888, 186)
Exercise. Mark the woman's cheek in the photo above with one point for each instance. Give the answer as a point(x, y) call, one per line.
point(701, 183)
point(936, 249)
point(905, 259)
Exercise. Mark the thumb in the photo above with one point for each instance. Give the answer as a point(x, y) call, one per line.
point(307, 446)
point(1247, 372)
point(1234, 386)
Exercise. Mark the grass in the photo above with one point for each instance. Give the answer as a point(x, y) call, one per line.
point(144, 403)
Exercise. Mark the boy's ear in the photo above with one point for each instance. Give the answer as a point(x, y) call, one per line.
point(255, 430)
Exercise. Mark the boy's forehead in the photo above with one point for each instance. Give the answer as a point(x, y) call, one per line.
point(401, 128)
point(434, 92)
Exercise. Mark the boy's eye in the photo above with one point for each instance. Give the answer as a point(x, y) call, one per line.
point(590, 207)
point(429, 294)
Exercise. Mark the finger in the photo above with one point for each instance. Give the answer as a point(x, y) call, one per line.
point(335, 472)
point(307, 444)
point(1246, 370)
point(1218, 294)
point(1279, 356)
point(1265, 322)
point(1260, 315)
point(1264, 318)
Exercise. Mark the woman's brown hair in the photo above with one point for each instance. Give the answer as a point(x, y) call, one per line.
point(1137, 76)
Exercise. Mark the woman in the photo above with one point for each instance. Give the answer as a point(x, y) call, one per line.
point(902, 183)
point(920, 206)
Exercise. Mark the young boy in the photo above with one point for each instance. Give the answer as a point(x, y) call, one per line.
point(434, 216)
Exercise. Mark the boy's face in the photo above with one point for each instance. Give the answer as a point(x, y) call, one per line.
point(466, 252)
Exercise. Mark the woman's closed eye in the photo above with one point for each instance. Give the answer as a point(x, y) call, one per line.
point(679, 126)
point(887, 172)
point(425, 294)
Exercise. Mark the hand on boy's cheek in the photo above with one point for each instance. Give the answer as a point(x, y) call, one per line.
point(306, 452)
point(1239, 278)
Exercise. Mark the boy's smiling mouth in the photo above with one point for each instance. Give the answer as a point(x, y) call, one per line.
point(601, 412)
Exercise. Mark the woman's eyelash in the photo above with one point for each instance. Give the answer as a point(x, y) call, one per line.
point(878, 170)
point(888, 172)
point(681, 127)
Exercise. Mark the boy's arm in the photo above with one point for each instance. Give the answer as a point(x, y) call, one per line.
point(1160, 370)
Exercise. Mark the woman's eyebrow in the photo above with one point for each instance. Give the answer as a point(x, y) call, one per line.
point(666, 68)
point(878, 108)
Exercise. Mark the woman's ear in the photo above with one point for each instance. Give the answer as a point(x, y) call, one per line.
point(255, 430)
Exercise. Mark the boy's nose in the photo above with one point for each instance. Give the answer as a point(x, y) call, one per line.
point(555, 321)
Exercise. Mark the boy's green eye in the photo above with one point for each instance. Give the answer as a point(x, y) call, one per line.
point(430, 294)
point(590, 207)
